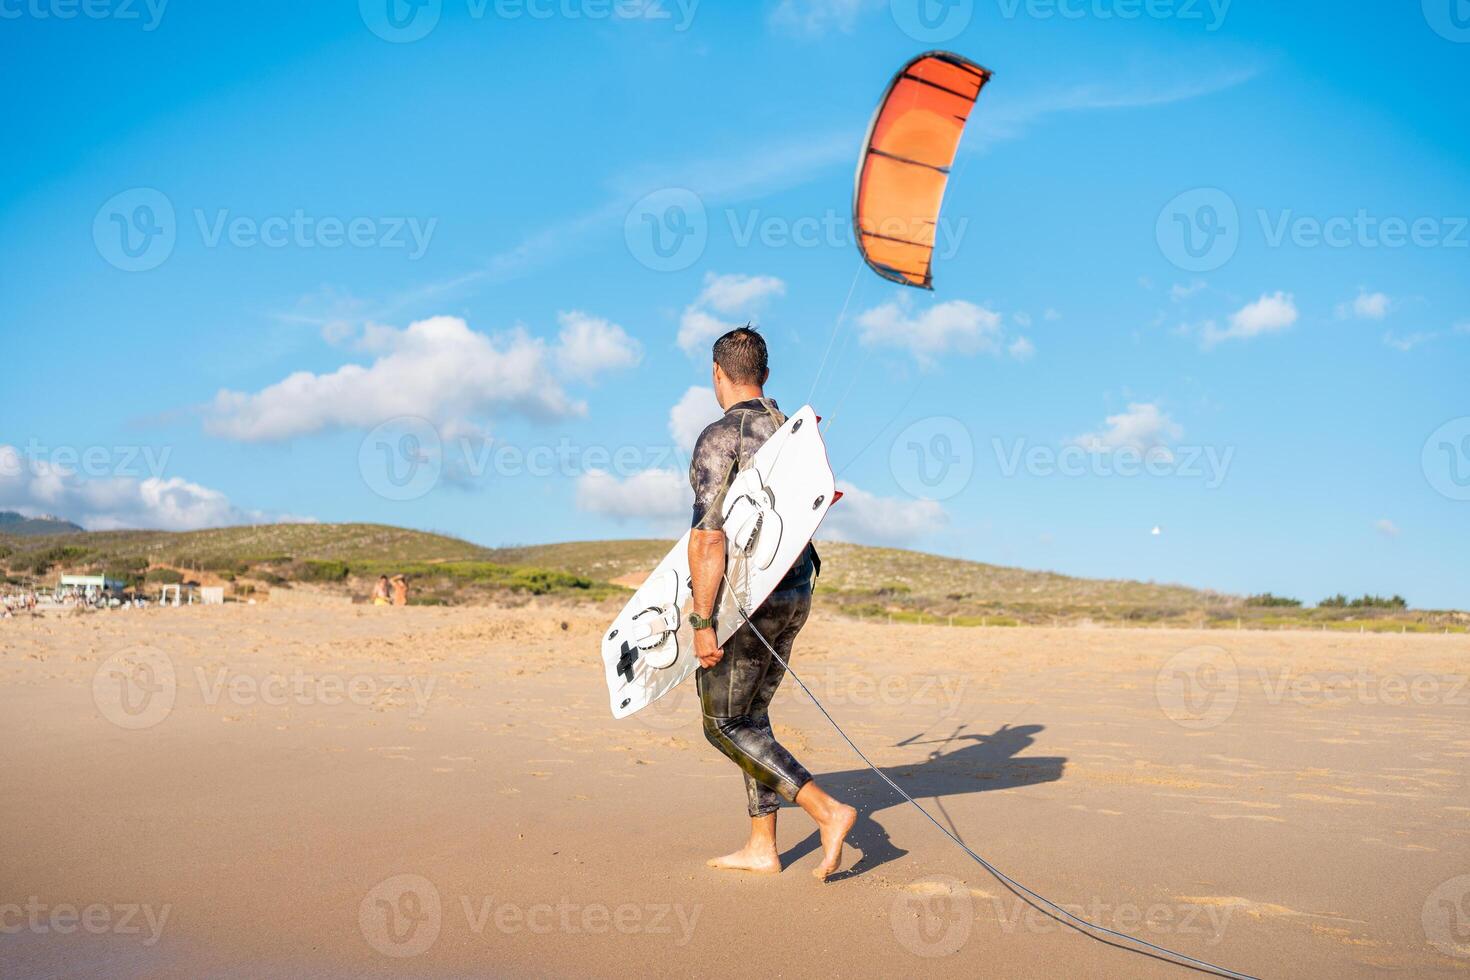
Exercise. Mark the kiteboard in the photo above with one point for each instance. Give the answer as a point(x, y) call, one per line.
point(772, 509)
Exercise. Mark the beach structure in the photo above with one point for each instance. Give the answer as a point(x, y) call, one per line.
point(87, 586)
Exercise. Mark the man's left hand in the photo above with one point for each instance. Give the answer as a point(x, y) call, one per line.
point(706, 649)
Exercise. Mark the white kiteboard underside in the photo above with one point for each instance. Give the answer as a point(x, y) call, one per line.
point(772, 509)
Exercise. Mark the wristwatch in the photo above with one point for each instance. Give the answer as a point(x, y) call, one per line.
point(701, 622)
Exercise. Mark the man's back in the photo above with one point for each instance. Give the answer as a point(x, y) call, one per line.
point(726, 447)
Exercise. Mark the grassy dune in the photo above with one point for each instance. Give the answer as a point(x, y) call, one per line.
point(883, 583)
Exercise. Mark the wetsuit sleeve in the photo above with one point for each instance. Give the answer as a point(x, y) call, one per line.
point(710, 471)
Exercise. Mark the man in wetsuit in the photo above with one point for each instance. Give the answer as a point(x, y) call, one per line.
point(736, 683)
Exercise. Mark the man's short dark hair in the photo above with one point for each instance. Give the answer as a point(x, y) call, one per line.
point(741, 354)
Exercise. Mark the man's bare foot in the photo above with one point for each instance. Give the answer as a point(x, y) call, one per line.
point(834, 831)
point(754, 860)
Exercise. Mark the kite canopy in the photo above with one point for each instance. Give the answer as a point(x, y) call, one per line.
point(905, 163)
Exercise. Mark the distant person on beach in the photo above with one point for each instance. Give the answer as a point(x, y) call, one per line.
point(380, 592)
point(400, 590)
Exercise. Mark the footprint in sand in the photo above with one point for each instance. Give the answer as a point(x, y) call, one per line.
point(1337, 800)
point(1261, 910)
point(1245, 816)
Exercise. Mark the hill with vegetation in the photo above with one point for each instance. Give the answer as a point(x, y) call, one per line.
point(22, 526)
point(871, 583)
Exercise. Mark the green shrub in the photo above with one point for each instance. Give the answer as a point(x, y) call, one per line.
point(1269, 600)
point(313, 570)
point(540, 581)
point(1341, 601)
point(42, 561)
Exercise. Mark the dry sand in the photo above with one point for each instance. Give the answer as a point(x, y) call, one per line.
point(349, 791)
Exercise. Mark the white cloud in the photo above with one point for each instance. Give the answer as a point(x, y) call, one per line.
point(438, 369)
point(1269, 314)
point(660, 497)
point(698, 330)
point(1387, 528)
point(1407, 342)
point(589, 345)
point(34, 487)
point(734, 293)
point(1143, 428)
point(1182, 291)
point(814, 18)
point(953, 326)
point(1021, 349)
point(695, 409)
point(1366, 306)
point(866, 518)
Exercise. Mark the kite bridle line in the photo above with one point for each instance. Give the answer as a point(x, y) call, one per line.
point(1091, 929)
point(832, 337)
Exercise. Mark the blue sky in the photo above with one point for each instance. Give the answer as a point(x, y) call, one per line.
point(317, 261)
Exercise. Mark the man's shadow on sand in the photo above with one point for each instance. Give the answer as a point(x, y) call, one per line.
point(964, 762)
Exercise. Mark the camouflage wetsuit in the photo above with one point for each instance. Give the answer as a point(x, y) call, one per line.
point(736, 693)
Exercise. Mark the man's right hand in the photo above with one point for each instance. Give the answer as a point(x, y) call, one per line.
point(706, 648)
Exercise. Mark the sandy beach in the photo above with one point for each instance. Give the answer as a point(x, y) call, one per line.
point(346, 791)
